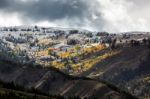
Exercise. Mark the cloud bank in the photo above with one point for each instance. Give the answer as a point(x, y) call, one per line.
point(96, 15)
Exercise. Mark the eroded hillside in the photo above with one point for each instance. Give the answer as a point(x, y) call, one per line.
point(54, 82)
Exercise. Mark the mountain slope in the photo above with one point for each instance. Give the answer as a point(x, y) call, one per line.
point(14, 94)
point(127, 70)
point(54, 82)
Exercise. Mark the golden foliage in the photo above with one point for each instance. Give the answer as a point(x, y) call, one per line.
point(84, 64)
point(58, 65)
point(88, 63)
point(147, 79)
point(41, 53)
point(64, 54)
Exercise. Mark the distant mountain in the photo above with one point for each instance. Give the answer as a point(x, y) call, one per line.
point(40, 27)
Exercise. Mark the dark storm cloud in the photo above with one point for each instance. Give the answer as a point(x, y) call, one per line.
point(76, 13)
point(101, 15)
point(45, 9)
point(4, 3)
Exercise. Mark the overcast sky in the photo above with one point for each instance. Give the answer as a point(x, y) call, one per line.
point(96, 15)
